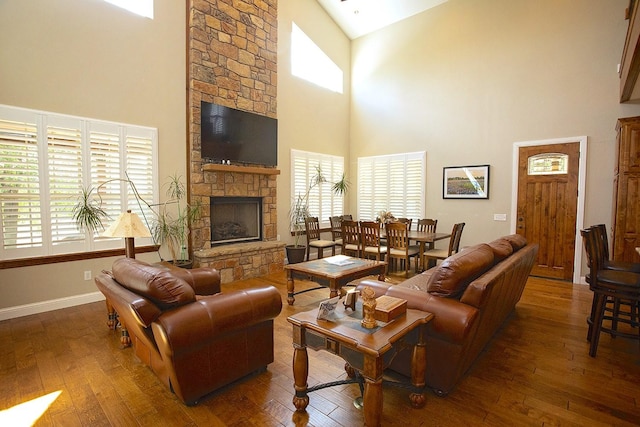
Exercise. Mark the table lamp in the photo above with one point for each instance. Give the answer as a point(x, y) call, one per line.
point(129, 226)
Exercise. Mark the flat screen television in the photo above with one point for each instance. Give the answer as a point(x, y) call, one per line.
point(235, 136)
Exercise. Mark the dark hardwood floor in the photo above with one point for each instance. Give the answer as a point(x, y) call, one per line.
point(536, 371)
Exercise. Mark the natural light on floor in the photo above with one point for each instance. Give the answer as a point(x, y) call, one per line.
point(27, 413)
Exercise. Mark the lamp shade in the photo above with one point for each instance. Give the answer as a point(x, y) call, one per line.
point(128, 224)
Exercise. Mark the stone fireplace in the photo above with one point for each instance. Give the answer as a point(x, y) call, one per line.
point(232, 61)
point(240, 190)
point(235, 219)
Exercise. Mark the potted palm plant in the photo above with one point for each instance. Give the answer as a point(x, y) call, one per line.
point(169, 225)
point(300, 211)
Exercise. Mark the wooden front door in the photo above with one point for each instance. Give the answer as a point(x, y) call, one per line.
point(547, 205)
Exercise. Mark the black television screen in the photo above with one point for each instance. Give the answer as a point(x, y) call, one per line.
point(235, 136)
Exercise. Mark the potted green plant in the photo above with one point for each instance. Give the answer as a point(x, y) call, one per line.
point(300, 211)
point(169, 225)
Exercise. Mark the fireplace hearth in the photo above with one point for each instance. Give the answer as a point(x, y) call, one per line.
point(235, 219)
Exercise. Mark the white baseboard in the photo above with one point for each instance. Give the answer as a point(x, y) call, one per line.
point(54, 304)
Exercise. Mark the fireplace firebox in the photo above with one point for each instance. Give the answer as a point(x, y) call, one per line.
point(235, 219)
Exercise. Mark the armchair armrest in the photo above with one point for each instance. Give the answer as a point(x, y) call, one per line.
point(194, 325)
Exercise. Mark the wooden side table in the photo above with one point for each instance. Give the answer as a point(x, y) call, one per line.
point(368, 351)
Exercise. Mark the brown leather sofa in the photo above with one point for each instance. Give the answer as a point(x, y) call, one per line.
point(194, 337)
point(471, 294)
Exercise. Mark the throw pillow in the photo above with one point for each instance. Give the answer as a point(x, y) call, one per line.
point(517, 241)
point(501, 249)
point(455, 273)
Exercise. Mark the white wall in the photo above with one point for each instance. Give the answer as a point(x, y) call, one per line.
point(89, 58)
point(310, 118)
point(467, 79)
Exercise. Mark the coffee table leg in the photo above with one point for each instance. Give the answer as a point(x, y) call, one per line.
point(334, 288)
point(372, 402)
point(418, 371)
point(300, 374)
point(290, 288)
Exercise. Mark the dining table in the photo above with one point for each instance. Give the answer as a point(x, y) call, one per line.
point(425, 240)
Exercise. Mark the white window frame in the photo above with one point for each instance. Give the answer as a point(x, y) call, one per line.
point(70, 156)
point(310, 63)
point(395, 183)
point(323, 202)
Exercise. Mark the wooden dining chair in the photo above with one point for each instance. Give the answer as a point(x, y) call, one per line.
point(351, 242)
point(407, 221)
point(336, 229)
point(427, 225)
point(314, 240)
point(370, 240)
point(398, 247)
point(610, 289)
point(431, 256)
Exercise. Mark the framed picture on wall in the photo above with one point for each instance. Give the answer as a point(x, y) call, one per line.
point(465, 182)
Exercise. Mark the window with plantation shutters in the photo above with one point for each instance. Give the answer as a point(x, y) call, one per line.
point(394, 183)
point(47, 159)
point(323, 202)
point(20, 204)
point(140, 171)
point(62, 166)
point(106, 167)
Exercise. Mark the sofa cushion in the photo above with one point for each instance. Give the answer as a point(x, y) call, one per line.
point(156, 284)
point(453, 275)
point(501, 249)
point(516, 240)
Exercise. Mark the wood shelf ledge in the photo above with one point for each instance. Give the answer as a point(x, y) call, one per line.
point(214, 167)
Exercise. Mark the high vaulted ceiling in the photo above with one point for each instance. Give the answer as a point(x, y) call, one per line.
point(360, 17)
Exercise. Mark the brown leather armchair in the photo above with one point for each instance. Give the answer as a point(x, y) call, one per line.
point(194, 344)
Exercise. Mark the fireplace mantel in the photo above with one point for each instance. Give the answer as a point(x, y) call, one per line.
point(215, 167)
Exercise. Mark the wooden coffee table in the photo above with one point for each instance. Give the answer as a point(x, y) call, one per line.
point(330, 275)
point(367, 351)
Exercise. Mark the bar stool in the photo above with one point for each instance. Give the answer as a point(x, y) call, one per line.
point(609, 286)
point(602, 247)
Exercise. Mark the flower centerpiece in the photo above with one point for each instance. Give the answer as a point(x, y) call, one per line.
point(385, 217)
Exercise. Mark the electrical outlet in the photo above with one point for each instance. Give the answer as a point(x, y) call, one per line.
point(87, 275)
point(499, 217)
